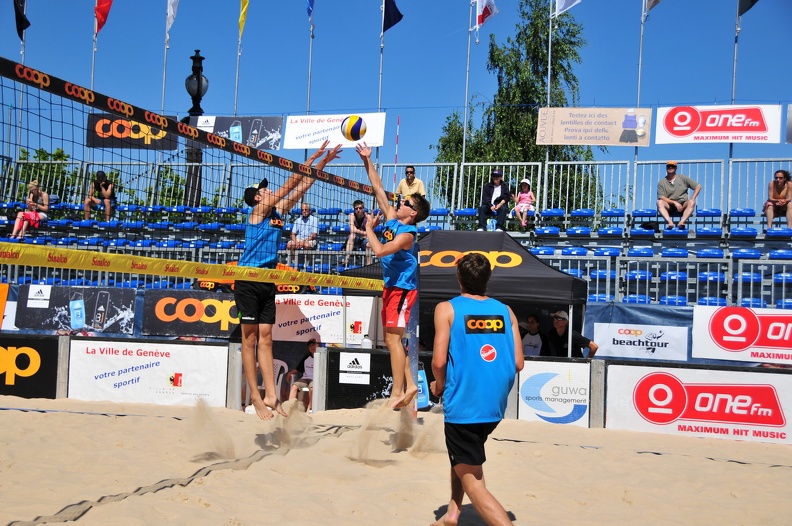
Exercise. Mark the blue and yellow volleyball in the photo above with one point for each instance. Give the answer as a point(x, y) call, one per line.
point(353, 128)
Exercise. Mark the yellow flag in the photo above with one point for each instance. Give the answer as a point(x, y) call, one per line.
point(242, 16)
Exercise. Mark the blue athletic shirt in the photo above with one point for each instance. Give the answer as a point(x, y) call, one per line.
point(481, 368)
point(261, 241)
point(400, 269)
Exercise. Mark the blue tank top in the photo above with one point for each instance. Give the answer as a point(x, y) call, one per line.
point(481, 368)
point(400, 269)
point(261, 241)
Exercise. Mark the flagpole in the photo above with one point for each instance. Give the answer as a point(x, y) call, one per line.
point(734, 68)
point(382, 55)
point(465, 118)
point(310, 68)
point(93, 53)
point(549, 79)
point(236, 78)
point(644, 14)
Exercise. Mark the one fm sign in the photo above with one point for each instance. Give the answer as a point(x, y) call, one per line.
point(697, 124)
point(742, 334)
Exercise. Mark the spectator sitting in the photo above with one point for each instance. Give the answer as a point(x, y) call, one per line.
point(357, 232)
point(525, 200)
point(305, 368)
point(495, 198)
point(672, 195)
point(37, 208)
point(559, 339)
point(778, 195)
point(304, 232)
point(534, 342)
point(103, 192)
point(410, 185)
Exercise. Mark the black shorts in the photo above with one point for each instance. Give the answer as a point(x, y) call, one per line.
point(360, 243)
point(255, 302)
point(465, 442)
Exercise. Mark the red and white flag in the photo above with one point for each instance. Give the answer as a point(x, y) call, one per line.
point(102, 10)
point(484, 10)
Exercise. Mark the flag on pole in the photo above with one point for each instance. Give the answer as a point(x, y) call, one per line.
point(484, 10)
point(22, 22)
point(392, 15)
point(243, 6)
point(102, 10)
point(565, 5)
point(651, 4)
point(173, 5)
point(744, 6)
point(310, 11)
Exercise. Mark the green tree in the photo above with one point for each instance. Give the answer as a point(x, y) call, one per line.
point(507, 132)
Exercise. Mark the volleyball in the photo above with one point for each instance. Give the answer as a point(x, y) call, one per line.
point(353, 128)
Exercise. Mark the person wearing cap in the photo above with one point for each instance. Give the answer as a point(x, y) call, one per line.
point(37, 208)
point(534, 342)
point(410, 185)
point(304, 232)
point(495, 197)
point(525, 200)
point(398, 254)
point(558, 339)
point(672, 195)
point(103, 192)
point(305, 369)
point(255, 300)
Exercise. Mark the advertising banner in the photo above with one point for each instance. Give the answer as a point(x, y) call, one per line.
point(629, 340)
point(262, 133)
point(594, 126)
point(148, 372)
point(189, 313)
point(85, 309)
point(105, 130)
point(309, 131)
point(700, 402)
point(759, 123)
point(304, 316)
point(28, 366)
point(742, 334)
point(789, 124)
point(357, 378)
point(554, 392)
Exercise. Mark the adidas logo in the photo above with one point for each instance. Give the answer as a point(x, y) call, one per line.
point(38, 294)
point(354, 364)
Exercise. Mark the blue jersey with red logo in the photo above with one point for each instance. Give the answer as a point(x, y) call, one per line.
point(481, 368)
point(400, 269)
point(261, 241)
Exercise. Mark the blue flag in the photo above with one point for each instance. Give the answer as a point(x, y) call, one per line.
point(310, 10)
point(392, 15)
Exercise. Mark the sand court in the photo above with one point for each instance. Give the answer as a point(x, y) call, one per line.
point(67, 461)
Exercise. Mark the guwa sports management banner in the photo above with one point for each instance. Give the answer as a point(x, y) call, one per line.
point(594, 126)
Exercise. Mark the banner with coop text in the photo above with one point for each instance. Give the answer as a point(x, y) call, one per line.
point(594, 126)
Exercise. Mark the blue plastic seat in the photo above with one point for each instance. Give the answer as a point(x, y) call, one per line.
point(743, 232)
point(610, 231)
point(553, 212)
point(673, 252)
point(578, 273)
point(602, 274)
point(673, 300)
point(780, 254)
point(640, 252)
point(779, 232)
point(746, 253)
point(542, 251)
point(713, 301)
point(784, 303)
point(637, 298)
point(547, 231)
point(644, 212)
point(715, 253)
point(674, 275)
point(747, 277)
point(709, 232)
point(574, 251)
point(583, 231)
point(638, 275)
point(754, 303)
point(600, 298)
point(607, 252)
point(466, 212)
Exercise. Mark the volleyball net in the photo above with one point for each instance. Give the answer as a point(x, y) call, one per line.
point(179, 213)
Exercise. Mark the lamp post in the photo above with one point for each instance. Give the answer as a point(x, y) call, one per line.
point(196, 85)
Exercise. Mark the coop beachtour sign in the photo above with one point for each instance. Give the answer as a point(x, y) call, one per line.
point(346, 129)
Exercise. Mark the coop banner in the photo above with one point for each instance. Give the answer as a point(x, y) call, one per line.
point(83, 310)
point(742, 334)
point(700, 403)
point(594, 126)
point(148, 372)
point(309, 131)
point(189, 313)
point(262, 133)
point(760, 123)
point(105, 130)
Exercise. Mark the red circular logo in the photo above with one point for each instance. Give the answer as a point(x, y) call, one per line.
point(488, 353)
point(734, 329)
point(681, 121)
point(659, 398)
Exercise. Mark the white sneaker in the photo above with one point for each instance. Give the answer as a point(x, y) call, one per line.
point(498, 230)
point(479, 230)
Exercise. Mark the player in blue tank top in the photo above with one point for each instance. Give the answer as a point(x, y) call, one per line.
point(477, 353)
point(398, 253)
point(255, 300)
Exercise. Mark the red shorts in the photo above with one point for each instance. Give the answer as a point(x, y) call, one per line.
point(396, 305)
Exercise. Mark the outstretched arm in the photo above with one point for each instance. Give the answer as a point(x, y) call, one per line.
point(376, 182)
point(294, 197)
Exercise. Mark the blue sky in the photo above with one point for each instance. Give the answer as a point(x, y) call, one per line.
point(687, 59)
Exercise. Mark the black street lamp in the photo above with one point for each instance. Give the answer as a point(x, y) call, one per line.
point(196, 85)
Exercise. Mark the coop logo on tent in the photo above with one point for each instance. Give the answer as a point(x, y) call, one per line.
point(555, 400)
point(448, 258)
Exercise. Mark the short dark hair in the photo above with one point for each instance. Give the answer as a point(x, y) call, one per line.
point(357, 202)
point(421, 207)
point(473, 273)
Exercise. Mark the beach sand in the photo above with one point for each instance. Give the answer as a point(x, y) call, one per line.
point(66, 461)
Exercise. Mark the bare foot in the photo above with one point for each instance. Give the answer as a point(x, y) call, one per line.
point(405, 399)
point(273, 403)
point(451, 518)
